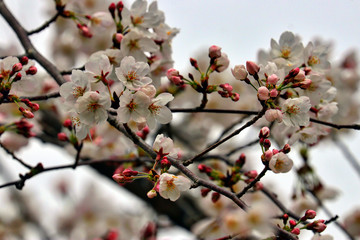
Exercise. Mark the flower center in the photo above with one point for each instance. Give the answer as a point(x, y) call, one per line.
point(78, 92)
point(92, 107)
point(292, 109)
point(285, 52)
point(131, 76)
point(313, 60)
point(137, 20)
point(131, 105)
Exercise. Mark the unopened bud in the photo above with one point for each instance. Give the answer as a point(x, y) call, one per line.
point(32, 70)
point(215, 197)
point(273, 79)
point(235, 97)
point(286, 148)
point(112, 8)
point(204, 169)
point(214, 51)
point(17, 77)
point(252, 68)
point(62, 137)
point(251, 174)
point(295, 231)
point(292, 223)
point(151, 194)
point(239, 72)
point(194, 63)
point(205, 191)
point(264, 132)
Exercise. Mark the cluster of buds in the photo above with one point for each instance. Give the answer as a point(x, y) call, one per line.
point(215, 196)
point(143, 133)
point(219, 61)
point(315, 226)
point(174, 76)
point(63, 136)
point(23, 127)
point(116, 13)
point(227, 92)
point(125, 176)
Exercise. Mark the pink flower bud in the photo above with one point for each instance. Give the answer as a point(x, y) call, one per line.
point(172, 73)
point(215, 197)
point(295, 231)
point(226, 87)
point(194, 63)
point(62, 137)
point(205, 191)
point(24, 60)
point(292, 223)
point(268, 155)
point(305, 84)
point(203, 168)
point(235, 97)
point(26, 112)
point(16, 67)
point(300, 76)
point(32, 70)
point(151, 194)
point(310, 214)
point(119, 37)
point(221, 63)
point(17, 77)
point(252, 67)
point(239, 72)
point(129, 172)
point(293, 72)
point(258, 186)
point(34, 106)
point(263, 93)
point(241, 160)
point(214, 51)
point(286, 148)
point(273, 114)
point(267, 144)
point(264, 132)
point(273, 79)
point(67, 123)
point(274, 93)
point(251, 174)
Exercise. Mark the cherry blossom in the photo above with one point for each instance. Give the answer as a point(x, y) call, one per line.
point(77, 87)
point(295, 111)
point(280, 163)
point(92, 107)
point(171, 185)
point(133, 74)
point(158, 110)
point(133, 107)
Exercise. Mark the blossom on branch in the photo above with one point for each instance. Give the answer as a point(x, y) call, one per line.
point(171, 185)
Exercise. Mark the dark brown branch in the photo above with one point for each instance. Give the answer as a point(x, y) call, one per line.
point(31, 52)
point(45, 25)
point(236, 132)
point(337, 126)
point(16, 158)
point(225, 111)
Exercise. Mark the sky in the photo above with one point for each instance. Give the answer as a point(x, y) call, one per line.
point(241, 28)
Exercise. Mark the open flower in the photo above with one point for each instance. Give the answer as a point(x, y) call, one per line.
point(133, 74)
point(158, 110)
point(171, 185)
point(92, 107)
point(133, 107)
point(79, 84)
point(296, 111)
point(163, 144)
point(280, 163)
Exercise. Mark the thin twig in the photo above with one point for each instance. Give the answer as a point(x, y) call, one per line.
point(252, 184)
point(15, 157)
point(236, 132)
point(45, 25)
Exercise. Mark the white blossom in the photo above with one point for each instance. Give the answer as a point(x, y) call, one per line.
point(280, 163)
point(133, 107)
point(158, 110)
point(171, 185)
point(92, 107)
point(296, 111)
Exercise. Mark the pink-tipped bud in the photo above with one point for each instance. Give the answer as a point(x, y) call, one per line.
point(263, 93)
point(310, 214)
point(205, 192)
point(17, 77)
point(129, 172)
point(275, 151)
point(119, 37)
point(26, 112)
point(235, 97)
point(273, 114)
point(165, 163)
point(258, 186)
point(295, 231)
point(62, 137)
point(122, 179)
point(227, 87)
point(67, 123)
point(252, 67)
point(194, 63)
point(273, 79)
point(151, 194)
point(204, 169)
point(84, 30)
point(268, 155)
point(264, 132)
point(112, 8)
point(241, 160)
point(239, 72)
point(24, 60)
point(286, 148)
point(293, 72)
point(305, 84)
point(267, 144)
point(251, 174)
point(120, 6)
point(221, 63)
point(214, 51)
point(300, 76)
point(16, 67)
point(292, 223)
point(215, 197)
point(274, 93)
point(32, 70)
